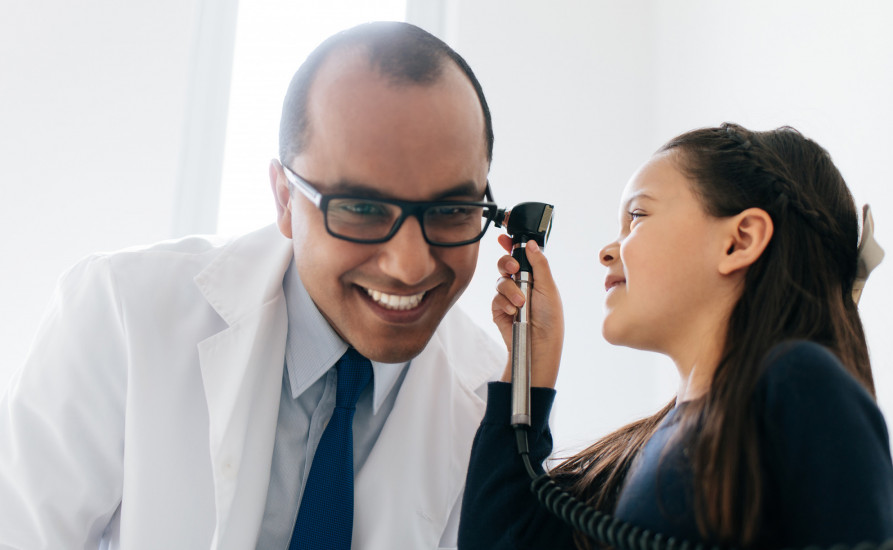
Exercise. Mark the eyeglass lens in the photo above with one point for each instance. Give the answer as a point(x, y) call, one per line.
point(363, 219)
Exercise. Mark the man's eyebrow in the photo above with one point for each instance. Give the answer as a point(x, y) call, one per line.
point(462, 190)
point(348, 187)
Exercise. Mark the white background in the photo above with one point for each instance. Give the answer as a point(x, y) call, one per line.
point(112, 120)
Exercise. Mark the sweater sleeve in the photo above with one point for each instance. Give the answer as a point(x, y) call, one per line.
point(827, 453)
point(498, 509)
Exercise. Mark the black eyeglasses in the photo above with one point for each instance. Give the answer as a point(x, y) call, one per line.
point(368, 220)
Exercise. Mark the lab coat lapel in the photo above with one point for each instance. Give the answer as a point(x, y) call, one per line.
point(242, 376)
point(414, 475)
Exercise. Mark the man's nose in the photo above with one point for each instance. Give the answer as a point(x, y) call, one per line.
point(407, 257)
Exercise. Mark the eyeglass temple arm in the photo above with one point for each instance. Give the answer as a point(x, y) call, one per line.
point(501, 217)
point(312, 194)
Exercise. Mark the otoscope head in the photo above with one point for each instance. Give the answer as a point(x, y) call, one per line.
point(528, 221)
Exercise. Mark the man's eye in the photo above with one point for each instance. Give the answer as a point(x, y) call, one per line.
point(364, 208)
point(454, 211)
point(453, 215)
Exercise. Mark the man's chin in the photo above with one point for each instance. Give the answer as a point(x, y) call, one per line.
point(394, 336)
point(390, 351)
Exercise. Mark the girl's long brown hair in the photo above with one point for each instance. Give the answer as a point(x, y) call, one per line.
point(800, 288)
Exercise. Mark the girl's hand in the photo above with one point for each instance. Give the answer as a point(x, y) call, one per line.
point(546, 316)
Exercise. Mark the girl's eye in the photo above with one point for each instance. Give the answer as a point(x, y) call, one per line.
point(635, 215)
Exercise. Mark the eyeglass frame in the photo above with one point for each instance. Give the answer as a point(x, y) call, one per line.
point(407, 208)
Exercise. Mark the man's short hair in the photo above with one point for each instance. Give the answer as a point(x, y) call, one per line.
point(401, 52)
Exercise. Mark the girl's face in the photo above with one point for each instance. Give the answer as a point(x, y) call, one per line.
point(664, 291)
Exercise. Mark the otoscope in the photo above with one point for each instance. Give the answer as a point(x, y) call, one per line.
point(528, 221)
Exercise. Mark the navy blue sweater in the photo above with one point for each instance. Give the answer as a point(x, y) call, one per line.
point(828, 476)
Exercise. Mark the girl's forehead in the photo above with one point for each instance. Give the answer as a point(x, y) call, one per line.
point(658, 179)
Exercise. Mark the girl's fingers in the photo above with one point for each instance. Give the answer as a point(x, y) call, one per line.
point(508, 290)
point(540, 264)
point(505, 242)
point(502, 306)
point(507, 266)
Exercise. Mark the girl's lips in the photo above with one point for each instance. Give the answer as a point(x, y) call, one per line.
point(613, 280)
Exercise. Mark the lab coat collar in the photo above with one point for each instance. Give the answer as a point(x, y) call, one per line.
point(247, 274)
point(242, 374)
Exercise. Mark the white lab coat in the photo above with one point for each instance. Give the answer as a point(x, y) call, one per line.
point(145, 415)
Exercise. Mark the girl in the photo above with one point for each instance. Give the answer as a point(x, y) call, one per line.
point(737, 257)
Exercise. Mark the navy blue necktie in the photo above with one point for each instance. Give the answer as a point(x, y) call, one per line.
point(325, 517)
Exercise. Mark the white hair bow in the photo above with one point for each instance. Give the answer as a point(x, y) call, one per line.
point(870, 253)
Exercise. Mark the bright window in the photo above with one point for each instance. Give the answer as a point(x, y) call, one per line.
point(272, 39)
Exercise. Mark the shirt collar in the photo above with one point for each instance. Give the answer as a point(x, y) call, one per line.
point(313, 347)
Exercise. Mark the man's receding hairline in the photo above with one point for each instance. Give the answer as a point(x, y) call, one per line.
point(364, 52)
point(395, 81)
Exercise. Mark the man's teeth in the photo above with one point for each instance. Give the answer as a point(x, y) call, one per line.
point(393, 301)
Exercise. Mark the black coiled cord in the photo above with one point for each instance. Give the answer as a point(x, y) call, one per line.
point(610, 531)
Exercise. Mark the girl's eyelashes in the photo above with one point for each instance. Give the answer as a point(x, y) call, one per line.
point(630, 220)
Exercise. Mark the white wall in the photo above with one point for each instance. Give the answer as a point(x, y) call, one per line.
point(94, 137)
point(570, 88)
point(96, 118)
point(583, 92)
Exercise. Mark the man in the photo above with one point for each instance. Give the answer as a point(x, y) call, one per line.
point(180, 396)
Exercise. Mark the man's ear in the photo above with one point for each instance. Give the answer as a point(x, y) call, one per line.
point(749, 234)
point(282, 196)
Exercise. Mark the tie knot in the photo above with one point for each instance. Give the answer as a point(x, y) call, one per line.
point(354, 373)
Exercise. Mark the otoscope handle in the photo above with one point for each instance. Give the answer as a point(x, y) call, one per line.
point(521, 354)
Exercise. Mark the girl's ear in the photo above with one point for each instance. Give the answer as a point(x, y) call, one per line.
point(749, 234)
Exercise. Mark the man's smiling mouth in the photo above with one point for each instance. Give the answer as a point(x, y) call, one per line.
point(394, 301)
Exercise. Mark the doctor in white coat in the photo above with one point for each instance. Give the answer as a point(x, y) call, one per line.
point(146, 414)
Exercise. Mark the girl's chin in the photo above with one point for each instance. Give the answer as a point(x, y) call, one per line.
point(617, 336)
point(612, 338)
point(611, 332)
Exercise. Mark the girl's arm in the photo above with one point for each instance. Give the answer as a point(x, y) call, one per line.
point(498, 510)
